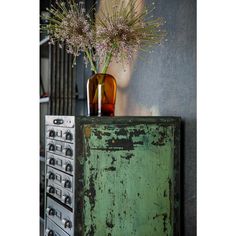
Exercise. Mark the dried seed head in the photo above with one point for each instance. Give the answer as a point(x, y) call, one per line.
point(125, 30)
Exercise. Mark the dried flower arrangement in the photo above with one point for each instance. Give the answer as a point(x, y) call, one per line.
point(118, 31)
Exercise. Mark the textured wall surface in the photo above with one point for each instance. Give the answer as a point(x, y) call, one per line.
point(165, 84)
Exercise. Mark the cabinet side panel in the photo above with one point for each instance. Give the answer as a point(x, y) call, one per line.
point(178, 175)
point(129, 179)
point(79, 180)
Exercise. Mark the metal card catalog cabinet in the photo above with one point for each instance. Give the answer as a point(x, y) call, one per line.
point(112, 176)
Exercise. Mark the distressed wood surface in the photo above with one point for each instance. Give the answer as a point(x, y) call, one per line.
point(129, 178)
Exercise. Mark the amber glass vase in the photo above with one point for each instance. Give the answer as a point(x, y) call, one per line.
point(101, 95)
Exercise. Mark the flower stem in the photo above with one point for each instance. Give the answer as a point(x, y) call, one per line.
point(108, 60)
point(89, 56)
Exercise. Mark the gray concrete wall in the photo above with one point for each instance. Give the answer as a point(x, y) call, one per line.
point(164, 83)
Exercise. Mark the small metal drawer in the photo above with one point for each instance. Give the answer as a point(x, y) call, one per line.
point(60, 163)
point(60, 148)
point(53, 229)
point(60, 193)
point(60, 134)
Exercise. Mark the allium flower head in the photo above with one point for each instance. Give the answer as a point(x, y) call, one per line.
point(69, 24)
point(122, 29)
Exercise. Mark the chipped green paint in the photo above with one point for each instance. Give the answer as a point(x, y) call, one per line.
point(128, 173)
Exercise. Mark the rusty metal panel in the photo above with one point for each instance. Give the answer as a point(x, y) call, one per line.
point(130, 171)
point(62, 85)
point(62, 81)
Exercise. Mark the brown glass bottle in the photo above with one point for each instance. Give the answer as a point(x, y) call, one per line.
point(101, 95)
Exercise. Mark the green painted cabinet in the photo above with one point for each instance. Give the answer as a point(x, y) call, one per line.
point(127, 176)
